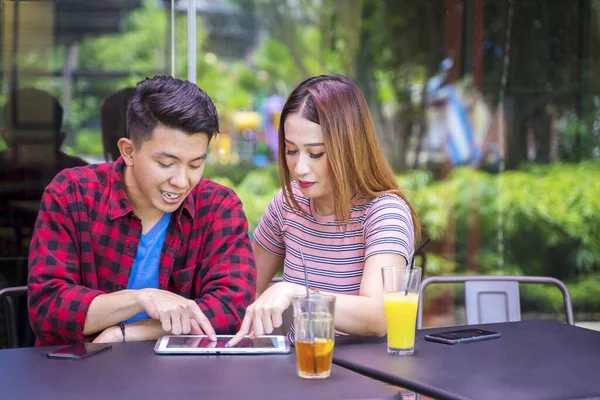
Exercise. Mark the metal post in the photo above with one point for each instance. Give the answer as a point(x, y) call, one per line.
point(584, 16)
point(172, 37)
point(191, 40)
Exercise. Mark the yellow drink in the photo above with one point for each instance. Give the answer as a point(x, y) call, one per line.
point(401, 319)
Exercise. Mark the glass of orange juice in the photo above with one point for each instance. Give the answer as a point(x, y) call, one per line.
point(401, 298)
point(314, 333)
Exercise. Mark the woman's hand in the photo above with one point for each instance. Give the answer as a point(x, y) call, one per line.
point(265, 314)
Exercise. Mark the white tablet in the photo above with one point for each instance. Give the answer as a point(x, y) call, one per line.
point(200, 344)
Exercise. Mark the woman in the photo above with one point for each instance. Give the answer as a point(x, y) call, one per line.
point(340, 204)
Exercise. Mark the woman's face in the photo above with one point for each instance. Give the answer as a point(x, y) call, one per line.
point(307, 161)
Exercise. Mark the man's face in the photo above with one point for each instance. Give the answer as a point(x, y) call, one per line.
point(165, 169)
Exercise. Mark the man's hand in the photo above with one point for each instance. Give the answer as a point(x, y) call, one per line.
point(266, 312)
point(147, 329)
point(177, 314)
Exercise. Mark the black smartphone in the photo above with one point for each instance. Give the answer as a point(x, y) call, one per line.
point(461, 336)
point(79, 351)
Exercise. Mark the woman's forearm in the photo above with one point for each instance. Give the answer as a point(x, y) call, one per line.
point(359, 315)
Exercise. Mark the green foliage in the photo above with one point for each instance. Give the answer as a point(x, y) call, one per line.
point(559, 216)
point(262, 149)
point(256, 192)
point(224, 83)
point(255, 186)
point(414, 180)
point(585, 296)
point(259, 183)
point(551, 222)
point(233, 173)
point(577, 130)
point(275, 58)
point(88, 141)
point(254, 206)
point(434, 206)
point(138, 48)
point(550, 216)
point(237, 173)
point(541, 298)
point(438, 265)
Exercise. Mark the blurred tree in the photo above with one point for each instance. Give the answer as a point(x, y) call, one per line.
point(404, 39)
point(391, 48)
point(139, 51)
point(387, 47)
point(303, 40)
point(548, 75)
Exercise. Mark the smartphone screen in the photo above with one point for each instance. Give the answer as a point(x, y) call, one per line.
point(462, 335)
point(81, 350)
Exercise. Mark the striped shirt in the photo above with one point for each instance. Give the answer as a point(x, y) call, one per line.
point(335, 257)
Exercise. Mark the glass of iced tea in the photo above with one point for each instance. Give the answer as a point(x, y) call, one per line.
point(314, 332)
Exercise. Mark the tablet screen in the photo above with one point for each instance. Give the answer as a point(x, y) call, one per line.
point(183, 342)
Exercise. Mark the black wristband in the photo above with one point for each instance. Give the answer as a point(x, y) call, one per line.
point(122, 326)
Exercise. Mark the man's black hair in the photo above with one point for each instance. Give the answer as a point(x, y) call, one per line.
point(173, 103)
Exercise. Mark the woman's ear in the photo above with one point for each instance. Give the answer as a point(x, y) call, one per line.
point(127, 148)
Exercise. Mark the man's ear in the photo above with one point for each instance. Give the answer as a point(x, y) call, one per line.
point(127, 149)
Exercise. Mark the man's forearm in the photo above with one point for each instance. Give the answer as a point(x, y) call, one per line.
point(110, 309)
point(148, 329)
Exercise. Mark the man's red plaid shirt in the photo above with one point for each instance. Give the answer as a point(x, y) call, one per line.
point(85, 241)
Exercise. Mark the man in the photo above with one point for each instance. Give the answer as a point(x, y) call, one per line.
point(32, 132)
point(143, 246)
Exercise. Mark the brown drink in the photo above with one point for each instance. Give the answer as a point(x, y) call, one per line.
point(314, 358)
point(314, 331)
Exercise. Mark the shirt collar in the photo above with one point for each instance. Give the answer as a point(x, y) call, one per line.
point(119, 205)
point(189, 204)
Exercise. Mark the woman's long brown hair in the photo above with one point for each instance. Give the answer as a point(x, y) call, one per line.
point(357, 165)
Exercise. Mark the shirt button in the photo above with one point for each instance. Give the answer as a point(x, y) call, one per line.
point(119, 287)
point(131, 245)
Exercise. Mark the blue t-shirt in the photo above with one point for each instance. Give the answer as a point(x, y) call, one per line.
point(144, 273)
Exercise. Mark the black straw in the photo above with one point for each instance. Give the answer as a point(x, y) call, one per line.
point(417, 252)
point(310, 333)
point(412, 262)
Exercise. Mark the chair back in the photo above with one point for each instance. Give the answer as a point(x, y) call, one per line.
point(494, 298)
point(9, 311)
point(487, 302)
point(15, 330)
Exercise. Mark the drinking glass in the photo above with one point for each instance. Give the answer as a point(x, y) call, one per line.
point(314, 332)
point(401, 298)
